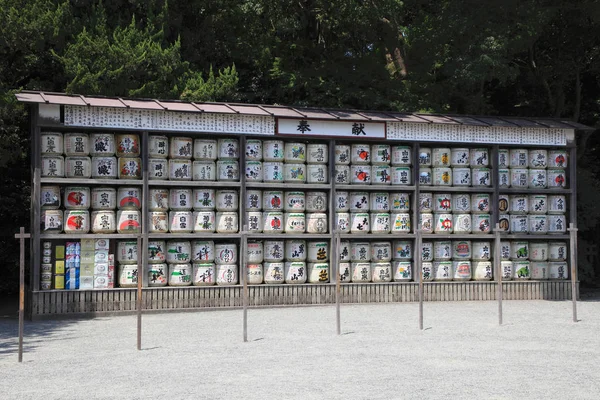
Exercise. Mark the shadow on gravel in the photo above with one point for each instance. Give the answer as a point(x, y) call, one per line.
point(35, 334)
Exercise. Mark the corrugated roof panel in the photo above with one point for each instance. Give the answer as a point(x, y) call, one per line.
point(142, 104)
point(215, 108)
point(315, 113)
point(493, 121)
point(466, 120)
point(523, 122)
point(178, 106)
point(578, 126)
point(63, 99)
point(29, 97)
point(248, 110)
point(283, 112)
point(438, 119)
point(104, 102)
point(378, 116)
point(551, 123)
point(409, 118)
point(351, 115)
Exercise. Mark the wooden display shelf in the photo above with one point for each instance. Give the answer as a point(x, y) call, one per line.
point(198, 235)
point(285, 236)
point(457, 189)
point(376, 188)
point(288, 186)
point(71, 236)
point(218, 184)
point(107, 182)
point(534, 191)
point(458, 236)
point(365, 236)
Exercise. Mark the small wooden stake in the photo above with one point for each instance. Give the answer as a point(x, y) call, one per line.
point(573, 251)
point(498, 265)
point(140, 276)
point(21, 236)
point(338, 284)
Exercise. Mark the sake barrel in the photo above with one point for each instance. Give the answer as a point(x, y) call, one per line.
point(227, 200)
point(538, 204)
point(400, 176)
point(359, 223)
point(273, 250)
point(519, 223)
point(180, 170)
point(504, 222)
point(425, 176)
point(204, 170)
point(557, 224)
point(462, 249)
point(425, 156)
point(503, 203)
point(317, 173)
point(442, 250)
point(558, 270)
point(481, 250)
point(295, 152)
point(519, 158)
point(459, 157)
point(503, 177)
point(482, 270)
point(342, 222)
point(399, 202)
point(342, 174)
point(381, 251)
point(294, 201)
point(253, 200)
point(505, 250)
point(342, 154)
point(273, 200)
point(203, 199)
point(180, 199)
point(461, 177)
point(480, 203)
point(402, 250)
point(479, 157)
point(295, 250)
point(254, 149)
point(203, 274)
point(521, 270)
point(381, 154)
point(538, 251)
point(426, 222)
point(557, 159)
point(359, 201)
point(157, 251)
point(344, 251)
point(318, 251)
point(538, 224)
point(380, 223)
point(51, 143)
point(158, 146)
point(481, 177)
point(557, 204)
point(207, 149)
point(127, 252)
point(443, 270)
point(425, 202)
point(318, 272)
point(76, 198)
point(180, 274)
point(557, 179)
point(105, 168)
point(127, 145)
point(229, 170)
point(539, 270)
point(128, 275)
point(158, 199)
point(316, 201)
point(273, 222)
point(519, 250)
point(538, 158)
point(51, 221)
point(401, 155)
point(440, 157)
point(380, 201)
point(103, 221)
point(360, 174)
point(273, 150)
point(295, 272)
point(274, 272)
point(381, 272)
point(360, 153)
point(157, 275)
point(361, 272)
point(481, 223)
point(226, 253)
point(180, 147)
point(503, 158)
point(228, 149)
point(317, 153)
point(360, 251)
point(181, 222)
point(537, 178)
point(442, 202)
point(255, 221)
point(294, 223)
point(557, 251)
point(461, 223)
point(442, 176)
point(227, 222)
point(443, 223)
point(76, 221)
point(76, 144)
point(255, 252)
point(292, 173)
point(53, 167)
point(227, 274)
point(427, 271)
point(402, 271)
point(273, 172)
point(462, 270)
point(345, 272)
point(341, 201)
point(179, 251)
point(158, 168)
point(254, 274)
point(50, 197)
point(78, 167)
point(507, 270)
point(130, 168)
point(461, 203)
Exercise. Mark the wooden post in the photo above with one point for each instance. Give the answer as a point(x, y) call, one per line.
point(244, 277)
point(498, 269)
point(338, 284)
point(21, 236)
point(140, 275)
point(419, 270)
point(573, 251)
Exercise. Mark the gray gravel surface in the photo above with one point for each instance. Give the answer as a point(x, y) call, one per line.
point(294, 353)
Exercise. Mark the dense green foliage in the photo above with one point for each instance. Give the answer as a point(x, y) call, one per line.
point(497, 57)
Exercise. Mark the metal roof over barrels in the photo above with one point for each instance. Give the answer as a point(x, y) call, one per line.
point(295, 112)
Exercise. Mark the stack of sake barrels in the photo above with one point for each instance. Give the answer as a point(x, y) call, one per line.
point(459, 213)
point(276, 211)
point(291, 261)
point(375, 261)
point(538, 213)
point(364, 164)
point(522, 259)
point(170, 210)
point(456, 260)
point(212, 159)
point(454, 167)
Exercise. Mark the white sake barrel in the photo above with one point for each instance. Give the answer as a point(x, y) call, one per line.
point(360, 153)
point(504, 222)
point(425, 176)
point(557, 224)
point(203, 199)
point(443, 223)
point(462, 270)
point(443, 270)
point(273, 250)
point(294, 223)
point(274, 272)
point(402, 250)
point(442, 250)
point(440, 157)
point(50, 197)
point(461, 177)
point(344, 251)
point(505, 250)
point(103, 221)
point(557, 251)
point(400, 175)
point(53, 167)
point(479, 157)
point(227, 222)
point(537, 178)
point(361, 272)
point(76, 221)
point(401, 155)
point(482, 270)
point(359, 201)
point(273, 150)
point(503, 158)
point(481, 251)
point(295, 272)
point(480, 203)
point(317, 153)
point(481, 223)
point(128, 275)
point(482, 177)
point(294, 173)
point(127, 145)
point(157, 275)
point(360, 174)
point(503, 204)
point(51, 221)
point(273, 222)
point(204, 221)
point(294, 201)
point(227, 200)
point(158, 199)
point(539, 270)
point(342, 222)
point(51, 143)
point(204, 171)
point(180, 274)
point(519, 223)
point(557, 204)
point(519, 250)
point(425, 157)
point(360, 251)
point(381, 272)
point(359, 223)
point(273, 200)
point(273, 172)
point(442, 202)
point(316, 222)
point(254, 252)
point(519, 177)
point(253, 171)
point(180, 170)
point(253, 200)
point(381, 251)
point(254, 274)
point(342, 174)
point(538, 224)
point(341, 201)
point(76, 198)
point(558, 270)
point(462, 249)
point(157, 251)
point(380, 201)
point(130, 168)
point(158, 168)
point(521, 270)
point(461, 203)
point(318, 272)
point(426, 202)
point(317, 173)
point(204, 274)
point(557, 179)
point(461, 223)
point(507, 270)
point(402, 271)
point(180, 147)
point(318, 251)
point(158, 146)
point(459, 157)
point(205, 149)
point(255, 221)
point(342, 154)
point(345, 270)
point(519, 158)
point(104, 167)
point(504, 178)
point(400, 223)
point(78, 167)
point(228, 170)
point(227, 274)
point(226, 253)
point(228, 149)
point(427, 271)
point(181, 222)
point(316, 201)
point(254, 149)
point(442, 176)
point(295, 250)
point(538, 251)
point(180, 199)
point(381, 154)
point(519, 204)
point(557, 159)
point(295, 152)
point(380, 223)
point(425, 222)
point(127, 252)
point(538, 158)
point(76, 144)
point(538, 204)
point(399, 202)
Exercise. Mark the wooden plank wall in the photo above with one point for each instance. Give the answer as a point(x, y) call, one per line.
point(113, 301)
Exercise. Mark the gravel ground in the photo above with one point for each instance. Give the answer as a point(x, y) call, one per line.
point(294, 353)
